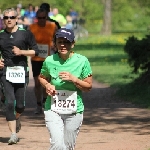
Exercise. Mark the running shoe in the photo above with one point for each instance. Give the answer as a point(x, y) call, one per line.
point(13, 139)
point(18, 125)
point(38, 110)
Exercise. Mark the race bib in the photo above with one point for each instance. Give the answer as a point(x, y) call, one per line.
point(15, 74)
point(43, 50)
point(64, 102)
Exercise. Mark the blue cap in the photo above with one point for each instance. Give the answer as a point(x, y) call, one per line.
point(65, 33)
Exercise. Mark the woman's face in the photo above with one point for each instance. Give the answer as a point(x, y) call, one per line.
point(63, 45)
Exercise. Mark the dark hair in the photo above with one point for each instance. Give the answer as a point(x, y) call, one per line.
point(41, 10)
point(45, 6)
point(30, 5)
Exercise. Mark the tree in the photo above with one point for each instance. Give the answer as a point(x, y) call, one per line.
point(106, 27)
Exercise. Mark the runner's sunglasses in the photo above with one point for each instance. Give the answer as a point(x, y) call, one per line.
point(9, 17)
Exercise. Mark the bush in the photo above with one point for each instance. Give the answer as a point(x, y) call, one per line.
point(139, 55)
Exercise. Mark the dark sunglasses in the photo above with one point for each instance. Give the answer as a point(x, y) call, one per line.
point(41, 17)
point(9, 17)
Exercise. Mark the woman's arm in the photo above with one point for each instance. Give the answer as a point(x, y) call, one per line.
point(84, 85)
point(50, 89)
point(43, 80)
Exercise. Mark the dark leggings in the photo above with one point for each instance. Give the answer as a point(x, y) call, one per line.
point(12, 92)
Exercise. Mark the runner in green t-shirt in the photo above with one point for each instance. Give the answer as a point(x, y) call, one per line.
point(65, 75)
point(59, 17)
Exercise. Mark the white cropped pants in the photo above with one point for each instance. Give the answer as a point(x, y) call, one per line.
point(63, 129)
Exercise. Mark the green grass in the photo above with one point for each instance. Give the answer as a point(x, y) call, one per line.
point(108, 62)
point(109, 65)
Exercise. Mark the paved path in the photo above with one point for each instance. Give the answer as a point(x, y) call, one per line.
point(109, 124)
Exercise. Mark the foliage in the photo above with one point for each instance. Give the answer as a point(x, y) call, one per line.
point(126, 14)
point(133, 15)
point(138, 54)
point(83, 7)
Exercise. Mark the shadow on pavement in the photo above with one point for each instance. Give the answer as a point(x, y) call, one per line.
point(102, 109)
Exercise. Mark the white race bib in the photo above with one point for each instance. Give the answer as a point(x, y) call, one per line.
point(15, 74)
point(64, 102)
point(43, 50)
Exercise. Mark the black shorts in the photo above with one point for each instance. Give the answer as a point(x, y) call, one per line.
point(36, 67)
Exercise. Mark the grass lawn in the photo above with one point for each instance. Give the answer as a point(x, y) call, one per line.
point(109, 64)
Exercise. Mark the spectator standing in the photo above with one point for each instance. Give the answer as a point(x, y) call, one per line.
point(50, 12)
point(69, 24)
point(2, 26)
point(14, 47)
point(30, 13)
point(44, 32)
point(1, 23)
point(59, 17)
point(1, 15)
point(36, 8)
point(64, 76)
point(74, 16)
point(23, 22)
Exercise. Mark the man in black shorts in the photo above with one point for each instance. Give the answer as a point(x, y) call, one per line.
point(15, 45)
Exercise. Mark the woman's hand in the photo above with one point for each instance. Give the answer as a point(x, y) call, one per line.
point(84, 85)
point(50, 89)
point(67, 76)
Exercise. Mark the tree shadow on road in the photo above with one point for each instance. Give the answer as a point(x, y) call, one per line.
point(103, 108)
point(103, 111)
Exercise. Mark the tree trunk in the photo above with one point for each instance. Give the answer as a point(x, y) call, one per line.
point(106, 27)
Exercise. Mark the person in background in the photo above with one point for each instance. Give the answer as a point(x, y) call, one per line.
point(1, 15)
point(46, 6)
point(15, 45)
point(69, 24)
point(59, 17)
point(50, 12)
point(23, 22)
point(74, 16)
point(64, 76)
point(44, 32)
point(36, 8)
point(2, 26)
point(30, 13)
point(20, 19)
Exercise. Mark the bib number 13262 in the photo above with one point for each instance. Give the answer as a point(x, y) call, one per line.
point(15, 74)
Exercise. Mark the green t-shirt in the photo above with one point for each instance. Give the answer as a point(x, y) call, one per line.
point(77, 65)
point(60, 18)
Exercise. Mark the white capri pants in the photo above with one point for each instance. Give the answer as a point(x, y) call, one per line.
point(63, 129)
